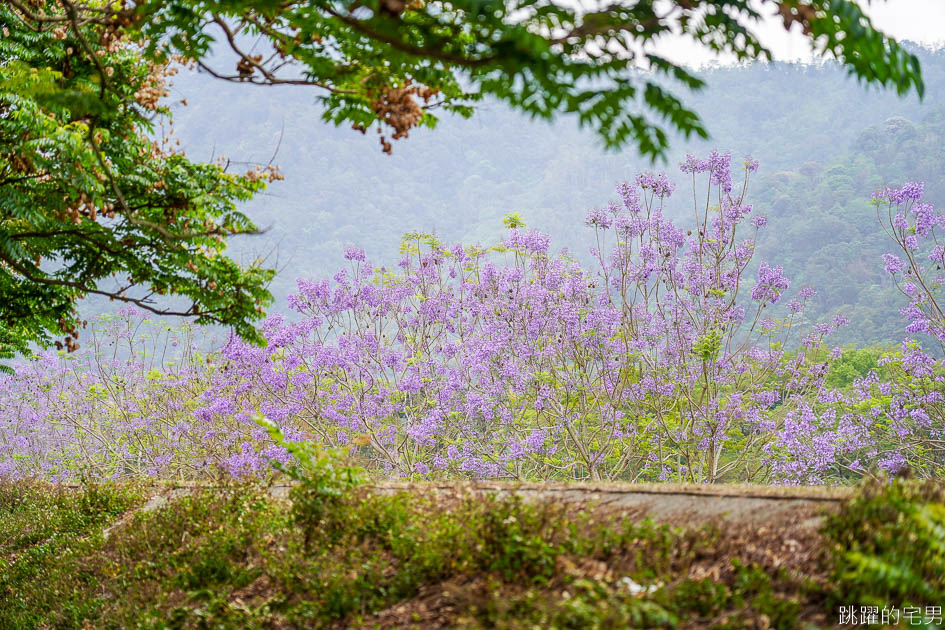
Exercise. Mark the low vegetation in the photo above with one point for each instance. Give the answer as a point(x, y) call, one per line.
point(338, 555)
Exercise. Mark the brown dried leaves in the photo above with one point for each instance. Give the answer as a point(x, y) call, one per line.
point(397, 108)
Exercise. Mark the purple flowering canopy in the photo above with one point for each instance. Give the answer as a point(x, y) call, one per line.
point(666, 359)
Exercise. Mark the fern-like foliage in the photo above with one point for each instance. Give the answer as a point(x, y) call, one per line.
point(889, 545)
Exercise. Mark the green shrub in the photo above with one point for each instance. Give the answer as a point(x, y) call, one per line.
point(889, 545)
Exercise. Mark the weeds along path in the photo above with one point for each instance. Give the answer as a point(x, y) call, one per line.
point(677, 504)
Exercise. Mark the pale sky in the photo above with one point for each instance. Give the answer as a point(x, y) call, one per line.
point(921, 21)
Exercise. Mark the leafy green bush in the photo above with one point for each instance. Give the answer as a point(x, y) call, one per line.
point(323, 478)
point(48, 538)
point(889, 545)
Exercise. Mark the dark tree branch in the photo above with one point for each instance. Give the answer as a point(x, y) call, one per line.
point(402, 46)
point(114, 295)
point(270, 79)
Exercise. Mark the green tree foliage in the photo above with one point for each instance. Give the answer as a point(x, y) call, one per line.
point(832, 239)
point(392, 62)
point(86, 194)
point(856, 363)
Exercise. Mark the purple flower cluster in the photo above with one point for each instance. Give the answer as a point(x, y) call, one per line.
point(912, 226)
point(718, 166)
point(115, 409)
point(658, 185)
point(771, 284)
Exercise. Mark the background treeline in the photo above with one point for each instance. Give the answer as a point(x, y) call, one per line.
point(825, 144)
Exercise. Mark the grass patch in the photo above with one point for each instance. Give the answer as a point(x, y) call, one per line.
point(47, 533)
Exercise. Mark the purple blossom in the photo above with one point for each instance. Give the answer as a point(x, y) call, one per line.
point(658, 184)
point(598, 218)
point(528, 241)
point(630, 197)
point(771, 283)
point(911, 191)
point(355, 253)
point(893, 263)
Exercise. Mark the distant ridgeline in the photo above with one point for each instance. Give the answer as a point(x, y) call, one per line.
point(825, 144)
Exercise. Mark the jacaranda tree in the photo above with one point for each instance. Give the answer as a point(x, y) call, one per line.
point(670, 357)
point(659, 362)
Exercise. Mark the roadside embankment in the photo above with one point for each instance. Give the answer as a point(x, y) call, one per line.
point(474, 555)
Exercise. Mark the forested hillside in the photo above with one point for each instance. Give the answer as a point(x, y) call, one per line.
point(826, 233)
point(825, 144)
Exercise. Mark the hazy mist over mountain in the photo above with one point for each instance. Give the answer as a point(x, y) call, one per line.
point(824, 141)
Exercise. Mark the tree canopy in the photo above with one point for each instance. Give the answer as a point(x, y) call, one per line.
point(87, 194)
point(394, 62)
